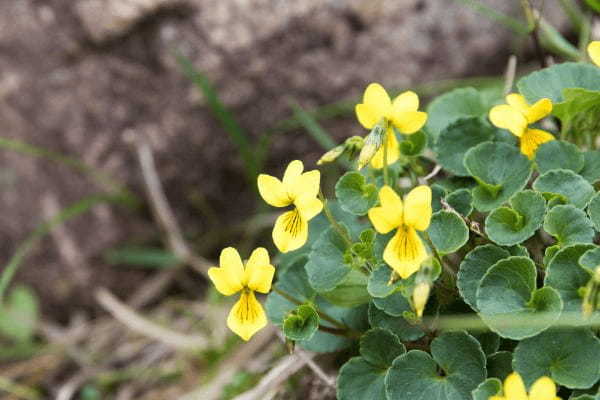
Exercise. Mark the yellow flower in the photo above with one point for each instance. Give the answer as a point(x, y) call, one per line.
point(514, 389)
point(517, 115)
point(594, 52)
point(401, 113)
point(298, 189)
point(247, 315)
point(405, 251)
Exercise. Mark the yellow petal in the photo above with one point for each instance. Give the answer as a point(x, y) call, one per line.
point(514, 388)
point(594, 52)
point(507, 117)
point(518, 101)
point(532, 139)
point(393, 152)
point(306, 185)
point(389, 215)
point(247, 316)
point(405, 252)
point(417, 208)
point(290, 231)
point(409, 122)
point(497, 398)
point(292, 173)
point(228, 278)
point(367, 115)
point(543, 389)
point(377, 98)
point(259, 271)
point(273, 191)
point(309, 207)
point(405, 102)
point(539, 110)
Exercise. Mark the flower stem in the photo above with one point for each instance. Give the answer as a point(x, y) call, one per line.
point(386, 174)
point(329, 215)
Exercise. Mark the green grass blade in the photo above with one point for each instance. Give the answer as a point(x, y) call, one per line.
point(511, 23)
point(313, 127)
point(75, 210)
point(226, 118)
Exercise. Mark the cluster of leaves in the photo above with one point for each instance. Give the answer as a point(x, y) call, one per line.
point(513, 257)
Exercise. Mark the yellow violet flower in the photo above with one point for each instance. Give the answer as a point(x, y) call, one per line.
point(517, 115)
point(247, 315)
point(594, 52)
point(514, 389)
point(298, 189)
point(401, 113)
point(405, 251)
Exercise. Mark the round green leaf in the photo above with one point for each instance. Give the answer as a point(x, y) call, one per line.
point(569, 225)
point(566, 184)
point(594, 210)
point(351, 292)
point(491, 387)
point(360, 380)
point(397, 325)
point(510, 226)
point(354, 194)
point(591, 166)
point(413, 145)
point(325, 266)
point(461, 201)
point(437, 194)
point(489, 341)
point(457, 138)
point(550, 82)
point(500, 171)
point(378, 285)
point(557, 154)
point(566, 275)
point(415, 375)
point(571, 357)
point(507, 291)
point(456, 104)
point(590, 259)
point(380, 347)
point(448, 231)
point(473, 268)
point(395, 304)
point(301, 323)
point(499, 365)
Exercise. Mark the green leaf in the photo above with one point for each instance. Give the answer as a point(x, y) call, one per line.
point(508, 290)
point(489, 341)
point(509, 226)
point(461, 201)
point(395, 304)
point(567, 276)
point(550, 82)
point(473, 267)
point(413, 145)
point(20, 315)
point(397, 325)
point(500, 171)
point(591, 166)
point(557, 154)
point(448, 231)
point(571, 357)
point(363, 378)
point(351, 292)
point(378, 282)
point(590, 259)
point(491, 387)
point(437, 194)
point(457, 138)
point(567, 184)
point(594, 210)
point(354, 194)
point(594, 5)
point(325, 267)
point(415, 374)
point(499, 365)
point(301, 323)
point(456, 104)
point(569, 225)
point(576, 101)
point(380, 347)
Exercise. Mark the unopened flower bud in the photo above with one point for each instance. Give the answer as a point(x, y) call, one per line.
point(420, 297)
point(332, 155)
point(372, 143)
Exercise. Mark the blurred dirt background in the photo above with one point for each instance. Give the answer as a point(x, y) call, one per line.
point(77, 76)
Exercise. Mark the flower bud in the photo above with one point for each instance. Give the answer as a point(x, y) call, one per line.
point(372, 143)
point(420, 297)
point(332, 155)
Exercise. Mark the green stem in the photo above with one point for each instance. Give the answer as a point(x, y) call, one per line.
point(511, 23)
point(338, 228)
point(323, 315)
point(574, 13)
point(447, 268)
point(386, 176)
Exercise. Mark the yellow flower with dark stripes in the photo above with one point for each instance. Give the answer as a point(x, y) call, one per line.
point(514, 389)
point(594, 52)
point(405, 251)
point(401, 113)
point(298, 189)
point(517, 115)
point(247, 315)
